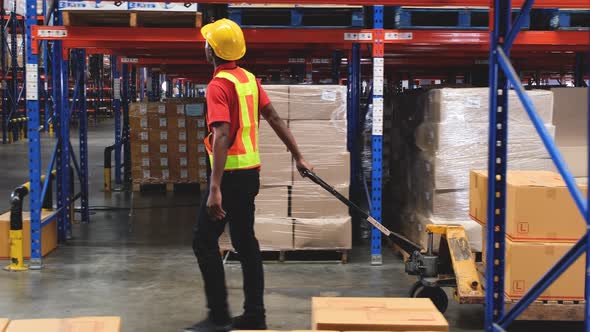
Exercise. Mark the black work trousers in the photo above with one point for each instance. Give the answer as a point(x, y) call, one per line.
point(238, 190)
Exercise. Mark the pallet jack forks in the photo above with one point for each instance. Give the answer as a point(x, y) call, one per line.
point(452, 266)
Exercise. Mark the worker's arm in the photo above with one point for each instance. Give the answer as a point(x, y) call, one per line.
point(284, 133)
point(220, 147)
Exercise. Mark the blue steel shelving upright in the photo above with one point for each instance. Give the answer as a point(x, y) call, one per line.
point(502, 78)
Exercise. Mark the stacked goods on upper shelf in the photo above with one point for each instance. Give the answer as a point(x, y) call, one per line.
point(542, 223)
point(446, 136)
point(167, 141)
point(292, 212)
point(571, 132)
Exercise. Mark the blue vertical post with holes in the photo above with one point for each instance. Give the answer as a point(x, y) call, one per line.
point(34, 124)
point(377, 144)
point(117, 113)
point(502, 76)
point(83, 114)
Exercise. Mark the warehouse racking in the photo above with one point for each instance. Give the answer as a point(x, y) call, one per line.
point(184, 43)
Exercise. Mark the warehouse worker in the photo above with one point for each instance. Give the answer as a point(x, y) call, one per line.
point(235, 101)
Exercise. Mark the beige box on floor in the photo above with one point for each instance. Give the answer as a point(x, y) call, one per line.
point(279, 97)
point(538, 206)
point(276, 169)
point(376, 314)
point(317, 102)
point(273, 233)
point(308, 200)
point(322, 233)
point(273, 202)
point(81, 324)
point(3, 324)
point(48, 235)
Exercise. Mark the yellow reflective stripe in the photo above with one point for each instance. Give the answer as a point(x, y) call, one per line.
point(251, 158)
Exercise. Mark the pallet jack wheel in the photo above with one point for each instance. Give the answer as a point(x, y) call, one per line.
point(436, 294)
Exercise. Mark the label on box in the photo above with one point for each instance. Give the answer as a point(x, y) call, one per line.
point(165, 174)
point(201, 134)
point(163, 122)
point(180, 109)
point(163, 148)
point(143, 108)
point(201, 123)
point(182, 148)
point(201, 148)
point(143, 136)
point(183, 173)
point(90, 5)
point(182, 135)
point(181, 123)
point(146, 174)
point(145, 162)
point(163, 135)
point(143, 123)
point(162, 109)
point(202, 161)
point(473, 102)
point(183, 161)
point(145, 148)
point(164, 162)
point(195, 110)
point(329, 95)
point(163, 6)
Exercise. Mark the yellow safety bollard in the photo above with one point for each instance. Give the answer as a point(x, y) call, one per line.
point(16, 230)
point(50, 131)
point(107, 179)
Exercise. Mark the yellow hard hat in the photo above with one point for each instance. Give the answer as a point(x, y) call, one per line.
point(226, 38)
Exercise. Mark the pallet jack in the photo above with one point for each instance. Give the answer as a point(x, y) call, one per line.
point(451, 266)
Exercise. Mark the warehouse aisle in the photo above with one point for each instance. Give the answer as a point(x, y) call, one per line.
point(134, 260)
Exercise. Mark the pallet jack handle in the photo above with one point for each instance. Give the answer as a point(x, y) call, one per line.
point(404, 243)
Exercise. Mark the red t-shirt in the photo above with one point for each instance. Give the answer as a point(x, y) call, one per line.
point(223, 104)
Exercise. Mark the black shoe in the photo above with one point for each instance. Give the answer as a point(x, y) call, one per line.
point(247, 322)
point(208, 325)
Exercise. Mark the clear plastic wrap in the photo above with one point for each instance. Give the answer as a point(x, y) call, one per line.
point(471, 105)
point(324, 233)
point(274, 233)
point(319, 136)
point(309, 200)
point(317, 102)
point(279, 97)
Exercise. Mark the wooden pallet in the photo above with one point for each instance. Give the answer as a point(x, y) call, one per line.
point(132, 19)
point(551, 311)
point(295, 255)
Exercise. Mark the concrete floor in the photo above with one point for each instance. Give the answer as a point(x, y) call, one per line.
point(134, 260)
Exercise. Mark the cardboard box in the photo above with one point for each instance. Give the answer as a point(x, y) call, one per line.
point(273, 202)
point(81, 324)
point(444, 204)
point(317, 102)
point(538, 206)
point(527, 262)
point(3, 324)
point(268, 141)
point(570, 116)
point(312, 201)
point(48, 235)
point(576, 158)
point(376, 314)
point(471, 105)
point(272, 233)
point(279, 97)
point(276, 169)
point(414, 228)
point(325, 233)
point(138, 109)
point(334, 168)
point(319, 136)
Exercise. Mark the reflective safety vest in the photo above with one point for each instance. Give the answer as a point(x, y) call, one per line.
point(243, 153)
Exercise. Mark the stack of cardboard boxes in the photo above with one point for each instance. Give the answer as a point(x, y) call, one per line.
point(167, 142)
point(542, 224)
point(292, 212)
point(80, 324)
point(446, 136)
